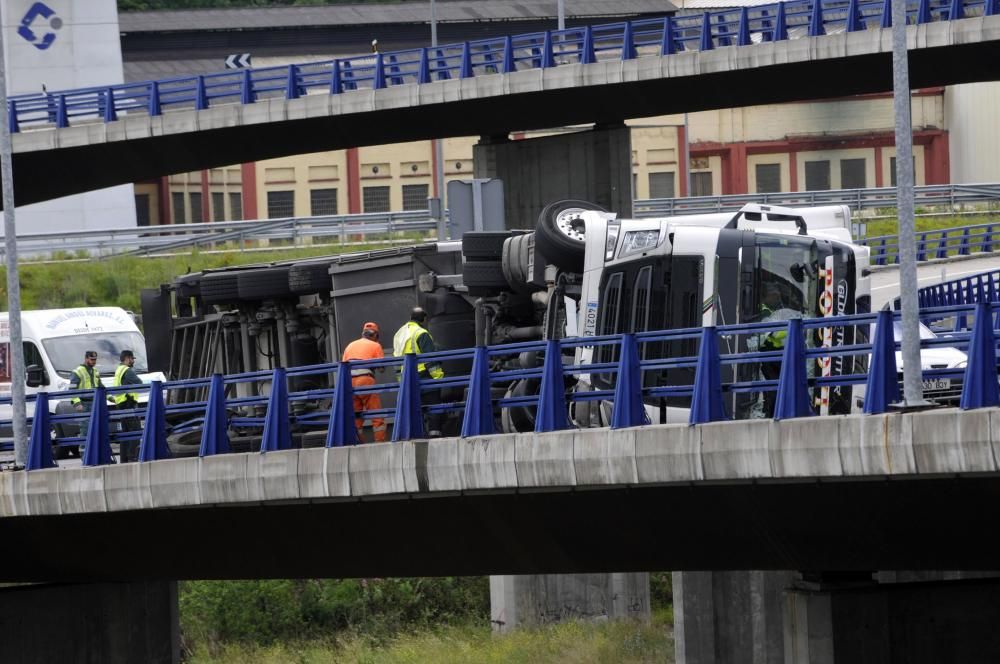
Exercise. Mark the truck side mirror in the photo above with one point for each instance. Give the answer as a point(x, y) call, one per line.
point(36, 376)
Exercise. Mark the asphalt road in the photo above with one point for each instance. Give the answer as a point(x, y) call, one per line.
point(885, 282)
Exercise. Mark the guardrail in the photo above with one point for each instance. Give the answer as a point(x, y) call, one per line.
point(539, 50)
point(146, 240)
point(636, 361)
point(952, 195)
point(960, 240)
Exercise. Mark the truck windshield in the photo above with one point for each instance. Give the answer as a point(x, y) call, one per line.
point(67, 353)
point(788, 274)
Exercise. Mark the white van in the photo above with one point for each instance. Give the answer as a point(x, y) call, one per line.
point(55, 341)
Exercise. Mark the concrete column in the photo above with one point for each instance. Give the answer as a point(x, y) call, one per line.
point(592, 165)
point(100, 623)
point(529, 600)
point(729, 617)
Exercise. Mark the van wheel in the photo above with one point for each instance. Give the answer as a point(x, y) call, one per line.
point(264, 284)
point(310, 278)
point(559, 235)
point(220, 287)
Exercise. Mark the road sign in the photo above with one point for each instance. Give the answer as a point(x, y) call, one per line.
point(237, 61)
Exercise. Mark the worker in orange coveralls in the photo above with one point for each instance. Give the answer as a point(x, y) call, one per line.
point(366, 348)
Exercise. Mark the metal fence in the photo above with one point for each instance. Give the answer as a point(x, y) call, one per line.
point(627, 40)
point(635, 377)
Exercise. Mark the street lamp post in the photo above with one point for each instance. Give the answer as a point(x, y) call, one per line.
point(438, 143)
point(16, 358)
point(913, 389)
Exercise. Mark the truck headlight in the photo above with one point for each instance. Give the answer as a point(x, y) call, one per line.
point(639, 241)
point(614, 228)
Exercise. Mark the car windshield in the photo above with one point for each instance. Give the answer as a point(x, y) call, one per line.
point(66, 353)
point(897, 331)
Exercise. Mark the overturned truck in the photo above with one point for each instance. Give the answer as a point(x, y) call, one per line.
point(580, 271)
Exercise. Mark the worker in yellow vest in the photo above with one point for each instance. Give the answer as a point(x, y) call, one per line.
point(413, 337)
point(126, 375)
point(85, 377)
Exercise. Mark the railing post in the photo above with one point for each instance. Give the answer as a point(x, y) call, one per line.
point(963, 246)
point(247, 95)
point(277, 433)
point(587, 55)
point(794, 399)
point(292, 90)
point(628, 42)
point(378, 78)
point(781, 23)
point(551, 413)
point(215, 430)
point(200, 95)
point(980, 388)
point(409, 411)
point(335, 86)
point(886, 21)
point(923, 12)
point(508, 56)
point(154, 430)
point(628, 409)
point(922, 248)
point(992, 8)
point(743, 38)
point(465, 71)
point(855, 21)
point(956, 11)
point(987, 241)
point(12, 123)
point(478, 418)
point(882, 387)
point(942, 250)
point(547, 60)
point(342, 429)
point(62, 117)
point(98, 451)
point(816, 28)
point(705, 44)
point(40, 443)
point(666, 41)
point(423, 68)
point(109, 106)
point(707, 403)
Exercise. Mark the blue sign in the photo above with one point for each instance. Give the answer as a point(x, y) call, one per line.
point(47, 33)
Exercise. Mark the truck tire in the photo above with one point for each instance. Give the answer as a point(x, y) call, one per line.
point(517, 253)
point(220, 287)
point(484, 245)
point(265, 284)
point(309, 278)
point(558, 236)
point(188, 285)
point(484, 277)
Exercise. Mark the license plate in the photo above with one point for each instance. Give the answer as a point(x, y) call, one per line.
point(936, 384)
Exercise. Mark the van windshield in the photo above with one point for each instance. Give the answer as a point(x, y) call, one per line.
point(66, 353)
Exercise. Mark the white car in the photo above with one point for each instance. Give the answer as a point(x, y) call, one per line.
point(940, 390)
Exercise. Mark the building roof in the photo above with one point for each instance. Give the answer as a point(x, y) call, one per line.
point(263, 18)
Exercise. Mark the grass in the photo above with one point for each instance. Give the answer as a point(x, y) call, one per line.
point(579, 642)
point(931, 240)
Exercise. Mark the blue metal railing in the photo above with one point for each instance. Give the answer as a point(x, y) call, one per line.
point(539, 50)
point(939, 243)
point(634, 360)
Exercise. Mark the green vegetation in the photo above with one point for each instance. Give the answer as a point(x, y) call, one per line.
point(928, 237)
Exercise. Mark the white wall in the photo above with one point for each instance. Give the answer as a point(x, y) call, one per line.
point(85, 51)
point(973, 132)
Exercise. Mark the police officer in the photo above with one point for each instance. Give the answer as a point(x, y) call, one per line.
point(126, 375)
point(85, 377)
point(413, 337)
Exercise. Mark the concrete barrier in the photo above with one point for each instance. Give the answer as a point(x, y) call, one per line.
point(806, 447)
point(41, 491)
point(544, 461)
point(13, 498)
point(604, 456)
point(376, 469)
point(668, 453)
point(223, 479)
point(273, 475)
point(950, 441)
point(442, 465)
point(126, 487)
point(175, 482)
point(312, 473)
point(414, 465)
point(338, 476)
point(487, 462)
point(874, 445)
point(736, 450)
point(81, 490)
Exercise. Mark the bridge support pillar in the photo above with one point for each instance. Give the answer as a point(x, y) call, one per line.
point(529, 600)
point(591, 165)
point(95, 622)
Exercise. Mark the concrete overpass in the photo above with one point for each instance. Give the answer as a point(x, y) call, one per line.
point(55, 162)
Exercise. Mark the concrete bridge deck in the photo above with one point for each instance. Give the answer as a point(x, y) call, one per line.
point(899, 491)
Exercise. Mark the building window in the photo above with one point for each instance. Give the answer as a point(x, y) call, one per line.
point(817, 175)
point(280, 204)
point(661, 185)
point(701, 184)
point(142, 211)
point(415, 196)
point(323, 201)
point(375, 199)
point(177, 203)
point(852, 174)
point(892, 171)
point(768, 178)
point(236, 207)
point(218, 206)
point(195, 200)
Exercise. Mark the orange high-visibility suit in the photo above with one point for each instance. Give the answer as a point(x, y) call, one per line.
point(365, 349)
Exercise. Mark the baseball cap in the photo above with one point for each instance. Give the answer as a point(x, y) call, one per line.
point(90, 353)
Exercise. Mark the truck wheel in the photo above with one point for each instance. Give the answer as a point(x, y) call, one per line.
point(220, 287)
point(484, 245)
point(310, 278)
point(265, 284)
point(559, 235)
